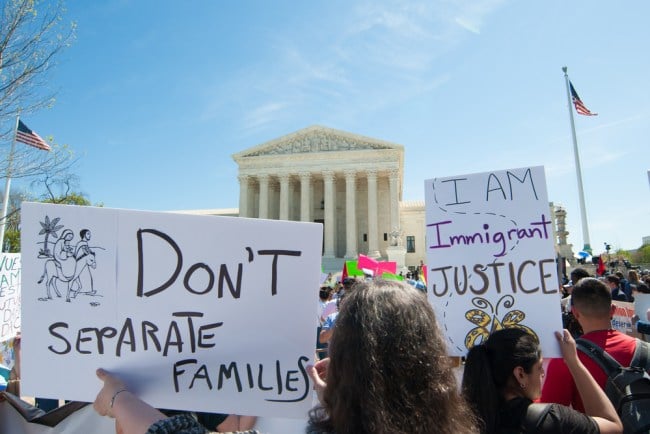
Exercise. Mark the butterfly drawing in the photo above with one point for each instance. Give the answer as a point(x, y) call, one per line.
point(489, 322)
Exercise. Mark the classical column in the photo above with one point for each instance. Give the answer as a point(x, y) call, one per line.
point(330, 224)
point(373, 241)
point(264, 196)
point(350, 214)
point(393, 176)
point(305, 196)
point(284, 196)
point(243, 195)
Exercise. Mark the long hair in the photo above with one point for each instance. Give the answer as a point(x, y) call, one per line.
point(489, 368)
point(389, 371)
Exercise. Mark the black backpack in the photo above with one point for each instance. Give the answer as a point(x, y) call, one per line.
point(627, 388)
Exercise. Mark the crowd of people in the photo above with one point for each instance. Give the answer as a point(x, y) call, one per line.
point(381, 366)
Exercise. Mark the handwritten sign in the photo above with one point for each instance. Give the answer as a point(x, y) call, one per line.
point(196, 313)
point(622, 317)
point(490, 257)
point(9, 295)
point(642, 306)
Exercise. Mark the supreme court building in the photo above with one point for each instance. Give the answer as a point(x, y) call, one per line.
point(350, 183)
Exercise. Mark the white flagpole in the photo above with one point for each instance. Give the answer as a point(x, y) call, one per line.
point(581, 193)
point(5, 202)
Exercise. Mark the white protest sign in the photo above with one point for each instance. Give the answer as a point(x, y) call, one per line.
point(9, 295)
point(490, 257)
point(199, 313)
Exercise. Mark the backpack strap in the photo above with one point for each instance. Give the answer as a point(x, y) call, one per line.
point(598, 355)
point(641, 357)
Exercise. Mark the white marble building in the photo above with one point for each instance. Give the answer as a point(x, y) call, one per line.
point(350, 183)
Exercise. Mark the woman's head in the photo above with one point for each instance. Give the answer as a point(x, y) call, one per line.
point(508, 363)
point(388, 368)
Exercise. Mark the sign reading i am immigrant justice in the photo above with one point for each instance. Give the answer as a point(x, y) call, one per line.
point(490, 257)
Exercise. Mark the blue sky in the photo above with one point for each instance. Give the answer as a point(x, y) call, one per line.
point(156, 96)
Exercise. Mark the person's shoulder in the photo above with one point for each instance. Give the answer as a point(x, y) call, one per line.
point(559, 419)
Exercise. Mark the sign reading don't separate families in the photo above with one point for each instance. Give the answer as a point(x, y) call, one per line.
point(199, 313)
point(490, 257)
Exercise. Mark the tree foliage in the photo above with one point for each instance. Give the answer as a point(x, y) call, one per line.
point(12, 231)
point(60, 193)
point(642, 255)
point(32, 34)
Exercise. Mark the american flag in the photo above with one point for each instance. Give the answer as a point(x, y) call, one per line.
point(29, 137)
point(577, 102)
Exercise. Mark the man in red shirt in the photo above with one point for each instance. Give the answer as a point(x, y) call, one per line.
point(591, 304)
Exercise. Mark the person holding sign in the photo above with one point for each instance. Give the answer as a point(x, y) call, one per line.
point(503, 376)
point(387, 371)
point(592, 307)
point(134, 416)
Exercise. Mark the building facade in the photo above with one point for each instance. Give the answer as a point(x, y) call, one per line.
point(349, 183)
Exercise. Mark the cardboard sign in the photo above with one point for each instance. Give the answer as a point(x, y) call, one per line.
point(490, 257)
point(622, 317)
point(198, 313)
point(9, 295)
point(642, 306)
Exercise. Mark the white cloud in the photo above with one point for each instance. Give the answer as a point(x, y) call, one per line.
point(472, 14)
point(264, 114)
point(465, 24)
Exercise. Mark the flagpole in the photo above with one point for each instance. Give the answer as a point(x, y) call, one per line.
point(5, 202)
point(581, 193)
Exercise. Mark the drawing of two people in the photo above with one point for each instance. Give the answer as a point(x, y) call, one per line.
point(66, 257)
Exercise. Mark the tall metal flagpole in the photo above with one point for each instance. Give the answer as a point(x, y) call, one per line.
point(581, 193)
point(5, 202)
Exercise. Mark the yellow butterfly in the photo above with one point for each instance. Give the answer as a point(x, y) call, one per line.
point(488, 323)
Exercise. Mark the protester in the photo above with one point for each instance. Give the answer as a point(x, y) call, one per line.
point(568, 320)
point(503, 376)
point(134, 416)
point(329, 315)
point(324, 299)
point(624, 284)
point(592, 307)
point(13, 385)
point(387, 371)
point(642, 326)
point(614, 284)
point(329, 307)
point(576, 275)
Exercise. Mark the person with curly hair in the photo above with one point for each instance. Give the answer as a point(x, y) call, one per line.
point(388, 370)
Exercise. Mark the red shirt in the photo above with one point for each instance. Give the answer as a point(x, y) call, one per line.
point(559, 386)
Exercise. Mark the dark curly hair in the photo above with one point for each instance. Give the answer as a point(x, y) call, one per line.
point(389, 371)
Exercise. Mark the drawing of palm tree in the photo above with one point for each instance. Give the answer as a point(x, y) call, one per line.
point(48, 228)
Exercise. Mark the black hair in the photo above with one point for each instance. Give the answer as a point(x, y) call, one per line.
point(592, 297)
point(489, 367)
point(578, 274)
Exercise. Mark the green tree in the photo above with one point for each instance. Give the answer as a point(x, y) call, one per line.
point(642, 255)
point(12, 232)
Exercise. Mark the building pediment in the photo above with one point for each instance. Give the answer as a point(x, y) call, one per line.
point(316, 139)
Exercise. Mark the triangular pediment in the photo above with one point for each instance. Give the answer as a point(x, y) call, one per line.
point(316, 139)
